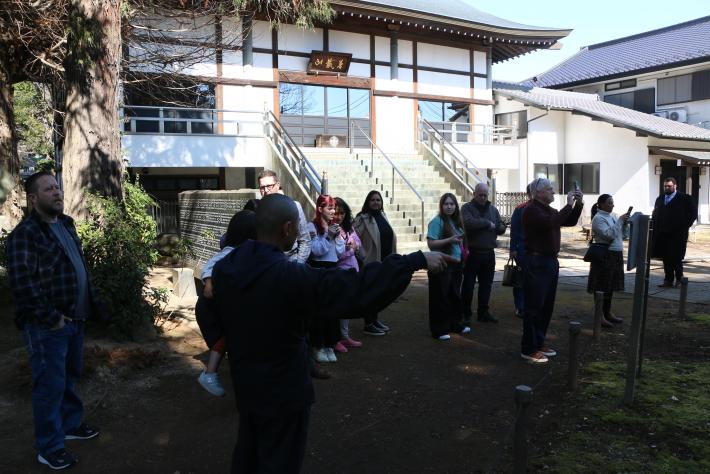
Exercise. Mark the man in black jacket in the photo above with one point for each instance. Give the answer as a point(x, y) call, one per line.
point(483, 225)
point(673, 214)
point(259, 291)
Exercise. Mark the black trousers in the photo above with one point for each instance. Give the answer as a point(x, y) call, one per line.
point(481, 265)
point(323, 332)
point(672, 248)
point(445, 310)
point(540, 276)
point(271, 445)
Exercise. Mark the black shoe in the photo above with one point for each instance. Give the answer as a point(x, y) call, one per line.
point(382, 326)
point(486, 317)
point(59, 459)
point(83, 431)
point(373, 330)
point(518, 314)
point(318, 373)
point(666, 284)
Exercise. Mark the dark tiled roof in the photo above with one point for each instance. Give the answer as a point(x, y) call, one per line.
point(455, 10)
point(684, 43)
point(592, 106)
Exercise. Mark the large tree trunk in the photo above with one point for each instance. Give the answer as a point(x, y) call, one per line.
point(91, 156)
point(10, 186)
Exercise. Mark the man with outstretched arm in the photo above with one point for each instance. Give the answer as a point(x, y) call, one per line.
point(541, 227)
point(259, 291)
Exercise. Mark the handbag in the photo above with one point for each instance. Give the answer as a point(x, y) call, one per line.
point(596, 253)
point(512, 274)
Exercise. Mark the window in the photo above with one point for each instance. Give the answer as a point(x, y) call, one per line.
point(146, 99)
point(585, 174)
point(553, 172)
point(643, 100)
point(443, 111)
point(613, 86)
point(515, 119)
point(675, 89)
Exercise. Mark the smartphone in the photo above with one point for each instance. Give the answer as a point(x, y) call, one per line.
point(576, 185)
point(631, 208)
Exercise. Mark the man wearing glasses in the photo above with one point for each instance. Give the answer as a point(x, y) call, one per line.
point(482, 224)
point(301, 250)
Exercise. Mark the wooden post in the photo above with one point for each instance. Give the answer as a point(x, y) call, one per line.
point(640, 231)
point(575, 327)
point(683, 297)
point(523, 398)
point(598, 315)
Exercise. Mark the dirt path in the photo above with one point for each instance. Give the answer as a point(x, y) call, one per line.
point(402, 403)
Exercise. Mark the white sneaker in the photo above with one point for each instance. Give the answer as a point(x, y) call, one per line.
point(320, 355)
point(466, 330)
point(210, 382)
point(331, 354)
point(444, 337)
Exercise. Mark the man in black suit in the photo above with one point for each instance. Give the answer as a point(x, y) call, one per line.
point(673, 214)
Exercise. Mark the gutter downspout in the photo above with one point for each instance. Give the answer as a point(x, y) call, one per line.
point(527, 147)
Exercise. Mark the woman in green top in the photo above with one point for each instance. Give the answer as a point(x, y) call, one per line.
point(445, 234)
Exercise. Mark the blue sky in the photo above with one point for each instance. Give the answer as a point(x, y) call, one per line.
point(591, 22)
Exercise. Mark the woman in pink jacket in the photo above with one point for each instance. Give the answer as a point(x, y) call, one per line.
point(347, 261)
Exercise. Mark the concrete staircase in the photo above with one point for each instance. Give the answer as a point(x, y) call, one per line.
point(349, 178)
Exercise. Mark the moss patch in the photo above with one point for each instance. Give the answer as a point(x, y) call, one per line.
point(702, 318)
point(666, 430)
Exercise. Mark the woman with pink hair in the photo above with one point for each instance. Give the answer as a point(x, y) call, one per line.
point(327, 245)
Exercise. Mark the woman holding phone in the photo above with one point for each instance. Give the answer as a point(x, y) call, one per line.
point(327, 246)
point(608, 275)
point(445, 234)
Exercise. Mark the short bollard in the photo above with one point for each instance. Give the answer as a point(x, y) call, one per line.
point(683, 296)
point(598, 314)
point(575, 327)
point(523, 398)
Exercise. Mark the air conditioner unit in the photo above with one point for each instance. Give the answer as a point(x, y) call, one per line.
point(661, 113)
point(678, 115)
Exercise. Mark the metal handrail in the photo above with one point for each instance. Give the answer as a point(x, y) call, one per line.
point(453, 151)
point(490, 132)
point(395, 169)
point(302, 170)
point(161, 119)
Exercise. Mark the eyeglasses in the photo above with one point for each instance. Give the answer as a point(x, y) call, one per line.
point(268, 187)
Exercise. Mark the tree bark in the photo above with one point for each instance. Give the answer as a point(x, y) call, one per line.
point(91, 155)
point(10, 185)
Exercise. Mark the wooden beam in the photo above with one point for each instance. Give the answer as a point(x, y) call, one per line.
point(438, 98)
point(325, 80)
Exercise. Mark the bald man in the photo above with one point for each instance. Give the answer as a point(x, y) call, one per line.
point(259, 291)
point(483, 225)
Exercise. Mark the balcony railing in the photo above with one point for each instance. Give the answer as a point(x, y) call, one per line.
point(460, 132)
point(188, 121)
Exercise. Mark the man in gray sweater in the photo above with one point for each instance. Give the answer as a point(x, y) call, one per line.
point(482, 224)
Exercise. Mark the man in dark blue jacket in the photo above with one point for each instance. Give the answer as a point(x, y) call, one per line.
point(258, 291)
point(53, 298)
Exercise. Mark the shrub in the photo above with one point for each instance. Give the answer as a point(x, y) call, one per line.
point(118, 239)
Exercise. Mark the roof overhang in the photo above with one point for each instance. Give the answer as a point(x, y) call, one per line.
point(506, 42)
point(689, 157)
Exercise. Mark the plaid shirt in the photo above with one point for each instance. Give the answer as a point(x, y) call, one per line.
point(42, 277)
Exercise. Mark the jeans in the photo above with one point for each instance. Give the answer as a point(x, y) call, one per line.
point(481, 266)
point(540, 276)
point(55, 360)
point(518, 293)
